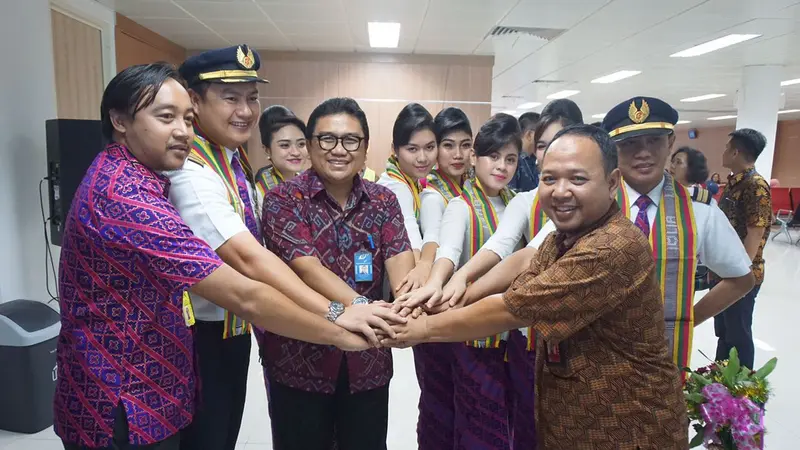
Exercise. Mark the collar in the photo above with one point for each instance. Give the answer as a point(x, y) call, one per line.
point(316, 186)
point(230, 153)
point(734, 179)
point(655, 194)
point(120, 152)
point(565, 241)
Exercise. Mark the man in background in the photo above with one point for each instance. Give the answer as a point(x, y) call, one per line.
point(748, 205)
point(526, 178)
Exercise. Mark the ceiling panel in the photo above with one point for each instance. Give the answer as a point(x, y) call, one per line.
point(260, 41)
point(199, 41)
point(239, 11)
point(147, 8)
point(168, 27)
point(235, 26)
point(331, 11)
point(560, 14)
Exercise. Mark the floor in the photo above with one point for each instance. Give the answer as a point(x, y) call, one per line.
point(773, 326)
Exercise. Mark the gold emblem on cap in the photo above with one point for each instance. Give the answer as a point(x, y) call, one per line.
point(246, 60)
point(639, 115)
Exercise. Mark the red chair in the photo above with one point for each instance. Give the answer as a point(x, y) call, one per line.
point(794, 193)
point(781, 200)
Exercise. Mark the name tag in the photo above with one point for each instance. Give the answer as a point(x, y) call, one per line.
point(188, 311)
point(363, 266)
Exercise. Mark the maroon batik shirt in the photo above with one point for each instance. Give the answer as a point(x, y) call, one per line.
point(301, 219)
point(126, 260)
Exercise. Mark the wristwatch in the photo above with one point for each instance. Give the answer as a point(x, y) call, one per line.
point(335, 310)
point(360, 300)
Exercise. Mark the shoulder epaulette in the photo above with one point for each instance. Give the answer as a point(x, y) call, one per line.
point(701, 195)
point(195, 158)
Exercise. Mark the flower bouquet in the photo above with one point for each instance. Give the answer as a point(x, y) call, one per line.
point(727, 402)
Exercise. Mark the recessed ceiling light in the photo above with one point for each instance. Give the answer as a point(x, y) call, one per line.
point(700, 98)
point(716, 44)
point(790, 82)
point(683, 122)
point(721, 117)
point(598, 116)
point(788, 111)
point(383, 34)
point(529, 105)
point(562, 94)
point(616, 76)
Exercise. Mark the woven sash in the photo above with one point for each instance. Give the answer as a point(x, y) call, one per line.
point(483, 223)
point(537, 220)
point(673, 239)
point(268, 179)
point(206, 153)
point(393, 171)
point(444, 185)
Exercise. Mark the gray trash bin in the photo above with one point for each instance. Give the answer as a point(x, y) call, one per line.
point(28, 334)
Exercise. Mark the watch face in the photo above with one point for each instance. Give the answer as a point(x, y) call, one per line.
point(337, 307)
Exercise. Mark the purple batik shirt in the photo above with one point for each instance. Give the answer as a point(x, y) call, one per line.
point(127, 258)
point(301, 219)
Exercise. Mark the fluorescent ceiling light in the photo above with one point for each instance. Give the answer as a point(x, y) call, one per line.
point(787, 111)
point(529, 105)
point(700, 98)
point(562, 94)
point(716, 44)
point(683, 122)
point(721, 117)
point(383, 34)
point(790, 82)
point(616, 76)
point(598, 116)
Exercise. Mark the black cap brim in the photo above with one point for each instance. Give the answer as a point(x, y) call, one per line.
point(636, 133)
point(239, 80)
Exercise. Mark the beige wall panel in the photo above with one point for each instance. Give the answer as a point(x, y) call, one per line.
point(78, 58)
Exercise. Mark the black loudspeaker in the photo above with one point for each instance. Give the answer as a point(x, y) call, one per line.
point(72, 145)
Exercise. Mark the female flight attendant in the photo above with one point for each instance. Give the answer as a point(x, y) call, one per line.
point(283, 136)
point(413, 155)
point(481, 411)
point(434, 362)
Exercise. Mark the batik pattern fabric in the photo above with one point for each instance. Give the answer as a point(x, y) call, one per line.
point(126, 261)
point(302, 219)
point(521, 364)
point(267, 178)
point(604, 377)
point(434, 366)
point(747, 202)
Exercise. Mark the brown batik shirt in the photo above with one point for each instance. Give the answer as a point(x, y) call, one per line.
point(747, 202)
point(604, 377)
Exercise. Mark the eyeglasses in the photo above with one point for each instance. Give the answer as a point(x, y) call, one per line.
point(329, 142)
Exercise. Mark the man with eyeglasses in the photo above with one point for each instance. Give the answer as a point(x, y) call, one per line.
point(342, 235)
point(215, 195)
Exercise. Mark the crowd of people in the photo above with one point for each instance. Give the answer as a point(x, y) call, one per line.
point(541, 268)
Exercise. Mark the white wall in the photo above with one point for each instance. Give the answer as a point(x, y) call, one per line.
point(27, 99)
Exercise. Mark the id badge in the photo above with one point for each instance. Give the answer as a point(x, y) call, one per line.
point(188, 311)
point(363, 266)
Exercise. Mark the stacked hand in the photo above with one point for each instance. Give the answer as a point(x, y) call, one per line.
point(415, 279)
point(414, 331)
point(367, 319)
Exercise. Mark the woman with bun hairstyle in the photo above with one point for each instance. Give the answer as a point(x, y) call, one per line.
point(283, 140)
point(413, 155)
point(480, 380)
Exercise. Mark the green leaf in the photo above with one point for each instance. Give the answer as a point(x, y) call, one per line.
point(701, 380)
point(695, 397)
point(732, 369)
point(767, 369)
point(697, 440)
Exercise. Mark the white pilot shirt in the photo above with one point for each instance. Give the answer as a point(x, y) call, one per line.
point(719, 247)
point(200, 196)
point(515, 225)
point(406, 199)
point(454, 238)
point(430, 215)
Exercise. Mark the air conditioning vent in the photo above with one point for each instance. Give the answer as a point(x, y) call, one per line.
point(547, 34)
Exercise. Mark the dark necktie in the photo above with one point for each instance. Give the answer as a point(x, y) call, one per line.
point(244, 194)
point(643, 202)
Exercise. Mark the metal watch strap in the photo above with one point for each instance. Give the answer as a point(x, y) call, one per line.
point(360, 300)
point(335, 310)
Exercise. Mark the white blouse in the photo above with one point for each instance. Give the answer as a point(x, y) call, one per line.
point(406, 199)
point(454, 237)
point(431, 213)
point(515, 225)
